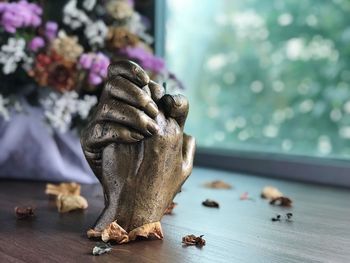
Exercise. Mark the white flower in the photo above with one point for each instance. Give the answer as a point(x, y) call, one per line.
point(96, 33)
point(11, 54)
point(4, 112)
point(59, 109)
point(89, 4)
point(73, 17)
point(137, 27)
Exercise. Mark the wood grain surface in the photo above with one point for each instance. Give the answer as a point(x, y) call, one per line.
point(239, 231)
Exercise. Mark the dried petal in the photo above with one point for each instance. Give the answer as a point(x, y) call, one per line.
point(210, 203)
point(92, 233)
point(66, 203)
point(281, 201)
point(245, 196)
point(151, 230)
point(169, 209)
point(218, 184)
point(270, 192)
point(101, 248)
point(192, 240)
point(63, 188)
point(24, 212)
point(115, 232)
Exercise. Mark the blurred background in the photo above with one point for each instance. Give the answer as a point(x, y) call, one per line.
point(266, 80)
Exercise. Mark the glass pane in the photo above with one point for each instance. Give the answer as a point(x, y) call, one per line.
point(264, 75)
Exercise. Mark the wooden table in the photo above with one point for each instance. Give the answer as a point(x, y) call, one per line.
point(239, 231)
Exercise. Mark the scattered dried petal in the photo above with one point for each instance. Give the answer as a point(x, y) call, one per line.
point(192, 240)
point(151, 230)
point(24, 212)
point(169, 209)
point(281, 201)
point(63, 188)
point(270, 192)
point(115, 232)
point(245, 196)
point(210, 203)
point(218, 184)
point(68, 202)
point(101, 248)
point(277, 218)
point(92, 233)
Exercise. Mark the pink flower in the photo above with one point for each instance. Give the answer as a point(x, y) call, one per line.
point(36, 43)
point(51, 30)
point(97, 65)
point(19, 14)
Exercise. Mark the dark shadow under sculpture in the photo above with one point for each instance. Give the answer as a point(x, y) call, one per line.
point(136, 147)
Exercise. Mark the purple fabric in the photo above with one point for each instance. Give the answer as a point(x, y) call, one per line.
point(29, 151)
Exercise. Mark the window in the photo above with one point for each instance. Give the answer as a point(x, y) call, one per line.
point(264, 76)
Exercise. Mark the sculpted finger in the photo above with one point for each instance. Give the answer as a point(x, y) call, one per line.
point(130, 71)
point(127, 115)
point(188, 151)
point(123, 89)
point(101, 134)
point(176, 106)
point(157, 90)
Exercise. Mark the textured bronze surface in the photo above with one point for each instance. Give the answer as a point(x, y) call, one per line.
point(136, 147)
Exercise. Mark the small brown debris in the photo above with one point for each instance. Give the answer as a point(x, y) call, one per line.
point(218, 184)
point(270, 192)
point(210, 203)
point(169, 209)
point(281, 201)
point(116, 233)
point(289, 217)
point(68, 202)
point(277, 218)
point(63, 188)
point(24, 212)
point(192, 240)
point(92, 233)
point(151, 230)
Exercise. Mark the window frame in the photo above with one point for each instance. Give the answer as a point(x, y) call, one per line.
point(276, 165)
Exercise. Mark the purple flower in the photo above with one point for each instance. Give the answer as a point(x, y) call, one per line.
point(36, 43)
point(145, 58)
point(19, 14)
point(97, 64)
point(51, 30)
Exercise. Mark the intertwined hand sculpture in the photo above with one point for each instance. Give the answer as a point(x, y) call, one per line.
point(136, 147)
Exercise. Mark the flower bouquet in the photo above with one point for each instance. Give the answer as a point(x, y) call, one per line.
point(52, 73)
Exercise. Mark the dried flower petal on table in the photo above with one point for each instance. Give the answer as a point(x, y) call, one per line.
point(218, 184)
point(115, 232)
point(169, 209)
point(63, 188)
point(66, 203)
point(210, 203)
point(192, 240)
point(151, 230)
point(281, 201)
point(101, 248)
point(92, 233)
point(270, 192)
point(24, 212)
point(245, 196)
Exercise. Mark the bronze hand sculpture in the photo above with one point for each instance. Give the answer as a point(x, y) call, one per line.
point(137, 149)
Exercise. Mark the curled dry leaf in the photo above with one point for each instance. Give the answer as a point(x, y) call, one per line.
point(281, 201)
point(210, 203)
point(115, 232)
point(68, 202)
point(92, 233)
point(63, 188)
point(101, 248)
point(218, 184)
point(170, 208)
point(151, 230)
point(24, 212)
point(270, 192)
point(192, 240)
